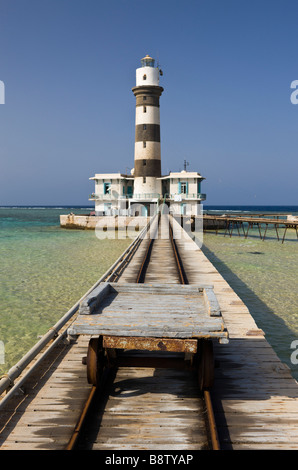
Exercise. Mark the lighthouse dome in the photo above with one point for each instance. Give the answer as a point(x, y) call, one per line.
point(147, 61)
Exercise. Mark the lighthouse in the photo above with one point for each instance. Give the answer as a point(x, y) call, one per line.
point(140, 192)
point(147, 153)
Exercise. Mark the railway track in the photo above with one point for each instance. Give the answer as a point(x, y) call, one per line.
point(146, 400)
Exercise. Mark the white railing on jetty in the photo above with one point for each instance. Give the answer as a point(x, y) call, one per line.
point(7, 379)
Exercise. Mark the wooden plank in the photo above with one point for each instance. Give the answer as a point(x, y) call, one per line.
point(154, 331)
point(92, 301)
point(154, 311)
point(150, 408)
point(165, 289)
point(211, 302)
point(43, 418)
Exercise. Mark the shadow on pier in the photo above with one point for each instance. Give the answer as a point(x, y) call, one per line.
point(246, 370)
point(262, 314)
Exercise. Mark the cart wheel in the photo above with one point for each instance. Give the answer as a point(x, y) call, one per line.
point(206, 365)
point(95, 361)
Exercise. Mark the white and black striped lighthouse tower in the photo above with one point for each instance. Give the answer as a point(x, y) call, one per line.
point(147, 161)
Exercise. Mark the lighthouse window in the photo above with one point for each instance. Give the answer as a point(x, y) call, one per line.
point(144, 98)
point(144, 109)
point(144, 127)
point(144, 162)
point(145, 77)
point(144, 144)
point(144, 179)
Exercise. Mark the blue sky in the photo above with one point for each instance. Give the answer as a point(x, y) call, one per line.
point(69, 65)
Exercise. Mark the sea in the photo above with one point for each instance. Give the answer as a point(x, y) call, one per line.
point(46, 269)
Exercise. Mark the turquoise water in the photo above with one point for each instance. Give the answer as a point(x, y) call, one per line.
point(44, 270)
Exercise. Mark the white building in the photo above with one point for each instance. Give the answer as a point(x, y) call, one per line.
point(112, 193)
point(182, 192)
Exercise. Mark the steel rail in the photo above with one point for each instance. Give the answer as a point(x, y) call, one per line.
point(206, 393)
point(78, 428)
point(142, 272)
point(207, 397)
point(211, 420)
point(182, 274)
point(82, 419)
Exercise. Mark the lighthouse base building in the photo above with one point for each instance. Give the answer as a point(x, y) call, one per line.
point(180, 191)
point(141, 192)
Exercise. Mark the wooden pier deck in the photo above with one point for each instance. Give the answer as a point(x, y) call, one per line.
point(255, 398)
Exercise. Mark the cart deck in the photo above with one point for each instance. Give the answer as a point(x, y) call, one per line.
point(176, 319)
point(151, 311)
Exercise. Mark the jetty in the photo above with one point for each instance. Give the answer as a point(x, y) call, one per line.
point(241, 224)
point(159, 354)
point(244, 224)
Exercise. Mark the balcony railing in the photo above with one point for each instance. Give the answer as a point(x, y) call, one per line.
point(146, 196)
point(180, 197)
point(104, 197)
point(109, 197)
point(172, 197)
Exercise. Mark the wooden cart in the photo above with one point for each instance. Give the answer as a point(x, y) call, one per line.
point(150, 317)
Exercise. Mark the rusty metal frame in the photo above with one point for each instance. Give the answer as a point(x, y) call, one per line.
point(150, 344)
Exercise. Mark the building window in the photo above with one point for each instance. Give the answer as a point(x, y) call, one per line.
point(144, 98)
point(144, 127)
point(106, 188)
point(144, 144)
point(144, 179)
point(144, 162)
point(145, 77)
point(144, 109)
point(183, 187)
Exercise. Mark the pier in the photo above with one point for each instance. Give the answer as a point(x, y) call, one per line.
point(153, 376)
point(244, 224)
point(239, 224)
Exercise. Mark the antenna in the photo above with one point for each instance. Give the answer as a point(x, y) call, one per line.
point(157, 62)
point(185, 164)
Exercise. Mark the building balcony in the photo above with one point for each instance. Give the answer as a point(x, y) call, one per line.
point(146, 196)
point(107, 197)
point(98, 197)
point(183, 197)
